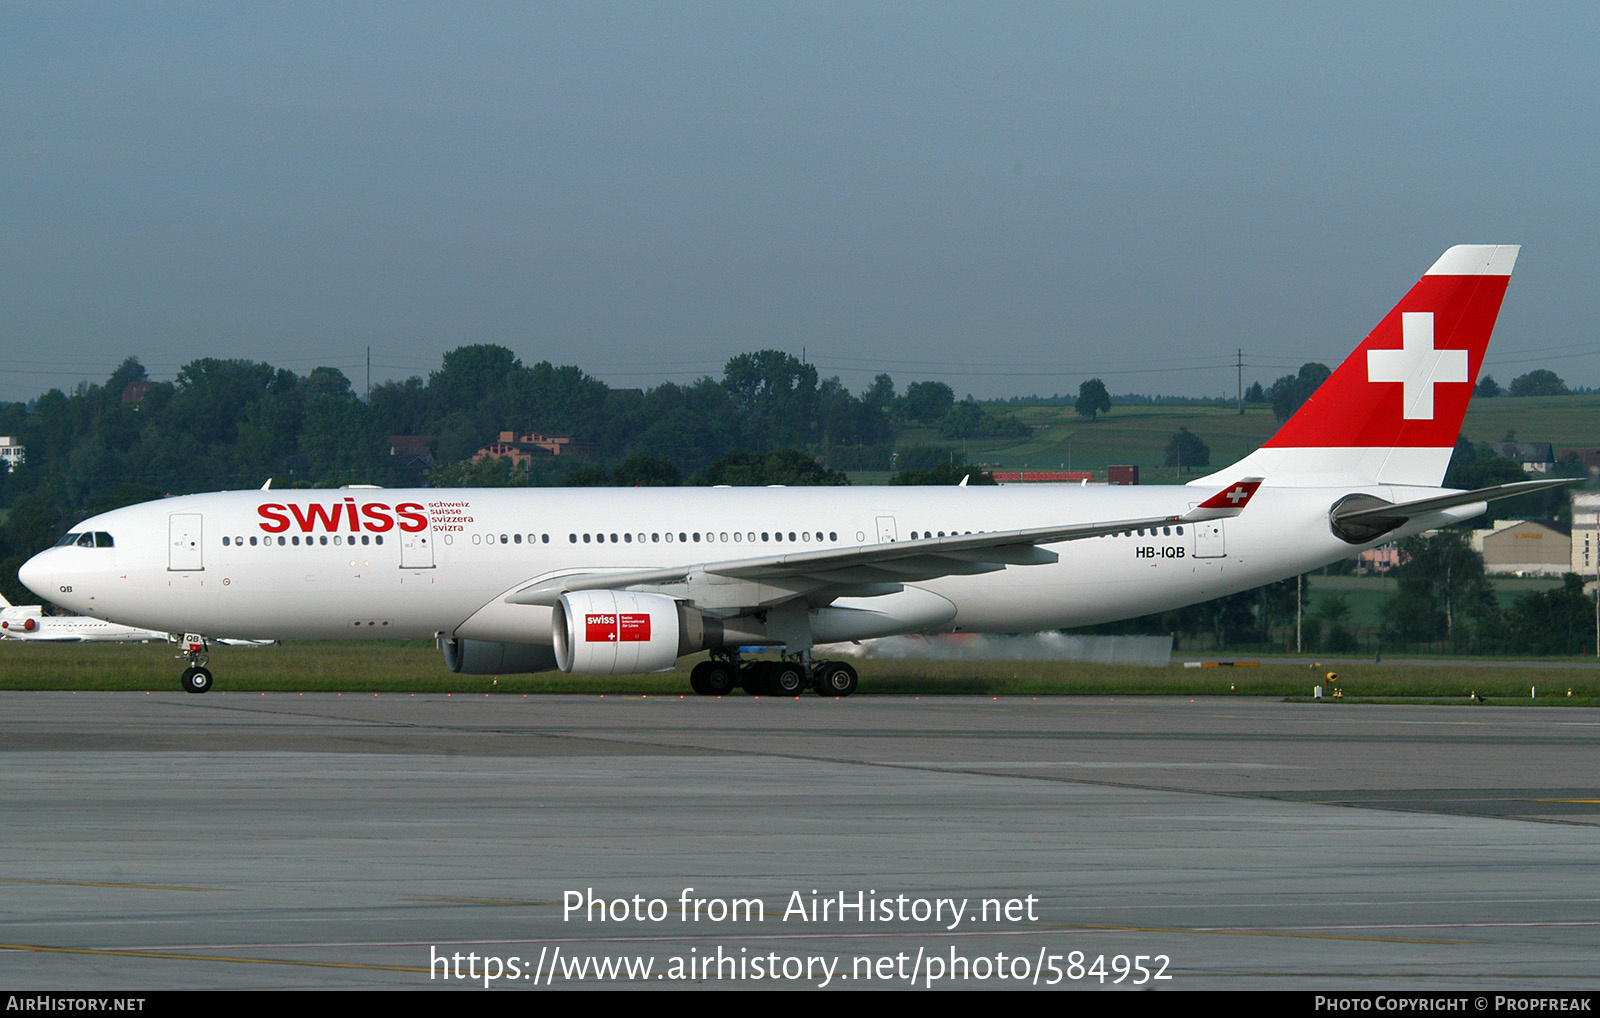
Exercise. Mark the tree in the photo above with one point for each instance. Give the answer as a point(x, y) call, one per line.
point(1538, 382)
point(1093, 399)
point(645, 471)
point(1255, 394)
point(1290, 392)
point(926, 402)
point(1487, 387)
point(1441, 585)
point(781, 466)
point(774, 397)
point(1185, 449)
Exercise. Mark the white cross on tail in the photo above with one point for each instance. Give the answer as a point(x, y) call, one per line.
point(1417, 365)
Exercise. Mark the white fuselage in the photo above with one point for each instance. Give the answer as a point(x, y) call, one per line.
point(436, 562)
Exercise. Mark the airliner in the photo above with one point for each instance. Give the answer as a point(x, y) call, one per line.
point(605, 582)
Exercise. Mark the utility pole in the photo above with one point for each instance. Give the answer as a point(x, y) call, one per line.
point(1240, 365)
point(369, 374)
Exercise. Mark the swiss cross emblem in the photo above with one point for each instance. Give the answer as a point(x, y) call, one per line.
point(1238, 494)
point(1417, 366)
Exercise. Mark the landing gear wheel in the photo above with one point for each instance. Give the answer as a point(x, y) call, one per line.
point(697, 677)
point(838, 679)
point(196, 680)
point(786, 679)
point(753, 678)
point(718, 678)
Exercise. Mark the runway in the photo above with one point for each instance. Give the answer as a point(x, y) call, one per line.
point(162, 841)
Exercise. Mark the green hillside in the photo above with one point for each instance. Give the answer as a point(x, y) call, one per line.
point(1062, 440)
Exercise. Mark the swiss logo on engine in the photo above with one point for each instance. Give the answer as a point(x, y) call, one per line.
point(624, 628)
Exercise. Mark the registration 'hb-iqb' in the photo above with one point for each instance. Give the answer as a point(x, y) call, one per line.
point(603, 582)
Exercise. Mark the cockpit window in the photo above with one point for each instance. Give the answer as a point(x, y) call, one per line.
point(86, 539)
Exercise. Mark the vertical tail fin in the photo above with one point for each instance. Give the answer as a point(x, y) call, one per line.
point(1390, 414)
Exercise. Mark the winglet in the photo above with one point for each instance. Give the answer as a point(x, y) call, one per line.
point(1230, 501)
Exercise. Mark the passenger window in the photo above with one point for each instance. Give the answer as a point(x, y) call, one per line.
point(225, 542)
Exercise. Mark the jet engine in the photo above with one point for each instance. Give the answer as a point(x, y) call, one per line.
point(485, 657)
point(617, 632)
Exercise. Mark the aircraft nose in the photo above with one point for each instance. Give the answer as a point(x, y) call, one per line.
point(36, 574)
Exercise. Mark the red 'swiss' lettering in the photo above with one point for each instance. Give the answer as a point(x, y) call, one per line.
point(376, 517)
point(317, 513)
point(411, 511)
point(276, 523)
point(628, 627)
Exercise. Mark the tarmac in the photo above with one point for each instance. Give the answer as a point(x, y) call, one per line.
point(236, 841)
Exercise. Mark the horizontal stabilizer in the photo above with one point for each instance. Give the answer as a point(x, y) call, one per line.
point(1362, 518)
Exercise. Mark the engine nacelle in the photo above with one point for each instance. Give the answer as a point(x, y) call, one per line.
point(483, 657)
point(617, 632)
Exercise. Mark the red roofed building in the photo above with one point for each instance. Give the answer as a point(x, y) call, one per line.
point(528, 446)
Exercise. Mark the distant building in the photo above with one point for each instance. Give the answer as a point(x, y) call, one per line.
point(134, 392)
point(1041, 476)
point(1585, 538)
point(1532, 457)
point(1589, 459)
point(521, 449)
point(1525, 548)
point(1378, 560)
point(415, 452)
point(12, 453)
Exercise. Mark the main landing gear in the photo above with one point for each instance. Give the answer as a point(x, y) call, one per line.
point(722, 673)
point(196, 678)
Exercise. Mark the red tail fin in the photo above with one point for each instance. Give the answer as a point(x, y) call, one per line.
point(1391, 412)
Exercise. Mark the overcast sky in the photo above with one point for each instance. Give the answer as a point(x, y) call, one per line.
point(1008, 197)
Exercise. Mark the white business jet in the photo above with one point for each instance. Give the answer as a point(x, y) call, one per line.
point(29, 623)
point(602, 582)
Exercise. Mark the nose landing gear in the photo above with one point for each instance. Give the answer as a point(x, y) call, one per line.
point(196, 678)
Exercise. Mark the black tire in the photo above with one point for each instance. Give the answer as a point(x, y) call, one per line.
point(718, 678)
point(753, 677)
point(697, 678)
point(838, 679)
point(196, 680)
point(787, 679)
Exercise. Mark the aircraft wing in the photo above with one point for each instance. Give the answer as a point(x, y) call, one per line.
point(869, 568)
